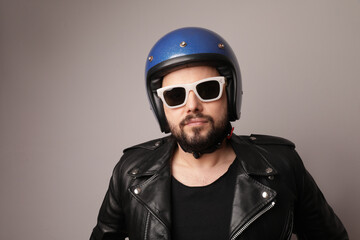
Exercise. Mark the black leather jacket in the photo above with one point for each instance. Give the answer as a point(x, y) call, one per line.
point(274, 194)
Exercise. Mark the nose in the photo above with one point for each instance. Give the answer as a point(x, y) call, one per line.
point(193, 103)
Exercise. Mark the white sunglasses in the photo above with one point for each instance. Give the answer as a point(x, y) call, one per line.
point(207, 90)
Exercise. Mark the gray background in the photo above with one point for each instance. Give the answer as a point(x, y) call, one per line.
point(72, 97)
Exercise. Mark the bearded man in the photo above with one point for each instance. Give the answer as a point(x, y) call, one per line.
point(202, 181)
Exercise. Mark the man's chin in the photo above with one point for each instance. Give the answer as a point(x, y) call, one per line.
point(197, 138)
point(196, 132)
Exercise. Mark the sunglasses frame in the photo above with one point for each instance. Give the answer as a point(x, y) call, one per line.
point(192, 86)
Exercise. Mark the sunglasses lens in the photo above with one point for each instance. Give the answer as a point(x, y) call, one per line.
point(175, 96)
point(208, 90)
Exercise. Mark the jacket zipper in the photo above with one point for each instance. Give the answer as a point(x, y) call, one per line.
point(242, 229)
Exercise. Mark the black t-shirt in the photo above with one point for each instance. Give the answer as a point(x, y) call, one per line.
point(203, 213)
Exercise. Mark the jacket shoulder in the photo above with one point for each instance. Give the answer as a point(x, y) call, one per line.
point(149, 145)
point(259, 139)
point(145, 158)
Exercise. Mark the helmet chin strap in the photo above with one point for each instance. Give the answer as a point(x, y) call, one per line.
point(197, 154)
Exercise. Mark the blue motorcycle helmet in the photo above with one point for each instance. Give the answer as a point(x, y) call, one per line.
point(192, 46)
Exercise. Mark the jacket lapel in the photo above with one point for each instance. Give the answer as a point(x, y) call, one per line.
point(250, 196)
point(154, 185)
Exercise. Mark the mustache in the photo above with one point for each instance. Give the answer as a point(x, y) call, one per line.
point(198, 115)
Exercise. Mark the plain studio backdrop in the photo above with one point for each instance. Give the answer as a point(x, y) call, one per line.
point(72, 97)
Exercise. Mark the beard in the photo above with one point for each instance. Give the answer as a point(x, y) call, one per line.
point(198, 142)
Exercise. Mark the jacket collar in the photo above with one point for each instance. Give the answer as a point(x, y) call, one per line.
point(252, 157)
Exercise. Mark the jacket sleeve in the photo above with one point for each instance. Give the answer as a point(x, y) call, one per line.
point(314, 218)
point(111, 223)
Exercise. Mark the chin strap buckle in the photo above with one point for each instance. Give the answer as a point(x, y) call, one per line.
point(196, 155)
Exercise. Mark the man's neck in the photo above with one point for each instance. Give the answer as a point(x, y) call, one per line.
point(204, 170)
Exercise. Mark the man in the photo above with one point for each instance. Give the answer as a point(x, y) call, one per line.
point(203, 181)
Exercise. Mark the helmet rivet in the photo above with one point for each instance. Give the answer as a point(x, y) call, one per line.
point(150, 58)
point(221, 45)
point(183, 44)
